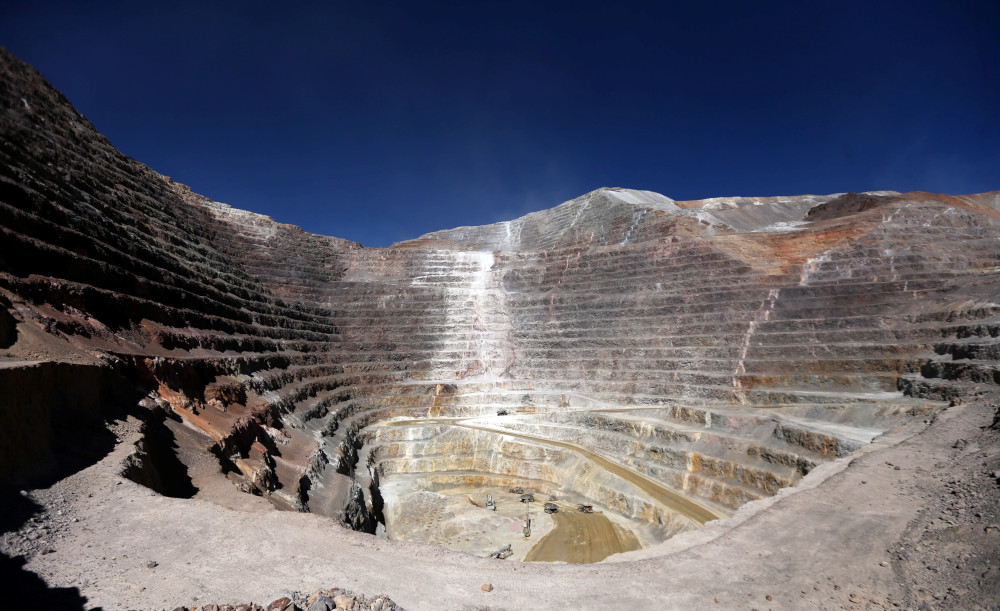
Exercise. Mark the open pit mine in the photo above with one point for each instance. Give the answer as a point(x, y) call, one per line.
point(624, 400)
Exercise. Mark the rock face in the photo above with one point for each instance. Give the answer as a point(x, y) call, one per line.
point(669, 361)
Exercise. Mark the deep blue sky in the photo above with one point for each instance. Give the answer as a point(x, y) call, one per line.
point(379, 121)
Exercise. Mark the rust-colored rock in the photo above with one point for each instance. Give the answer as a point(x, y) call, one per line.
point(281, 604)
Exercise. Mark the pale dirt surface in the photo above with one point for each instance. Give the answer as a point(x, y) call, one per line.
point(455, 517)
point(867, 536)
point(581, 538)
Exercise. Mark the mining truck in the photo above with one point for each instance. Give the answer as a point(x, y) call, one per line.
point(503, 552)
point(550, 508)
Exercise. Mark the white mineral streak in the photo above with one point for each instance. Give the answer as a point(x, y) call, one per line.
point(811, 266)
point(579, 213)
point(888, 252)
point(477, 323)
point(888, 218)
point(438, 270)
point(637, 217)
point(646, 199)
point(816, 270)
point(511, 239)
point(763, 314)
point(785, 226)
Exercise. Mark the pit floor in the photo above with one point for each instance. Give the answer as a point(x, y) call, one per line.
point(456, 518)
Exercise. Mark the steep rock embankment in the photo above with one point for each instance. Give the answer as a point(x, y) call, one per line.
point(102, 256)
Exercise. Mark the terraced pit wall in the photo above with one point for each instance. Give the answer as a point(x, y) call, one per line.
point(720, 349)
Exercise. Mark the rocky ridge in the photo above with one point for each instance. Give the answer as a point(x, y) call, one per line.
point(330, 599)
point(724, 349)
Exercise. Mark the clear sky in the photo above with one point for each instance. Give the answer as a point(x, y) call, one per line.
point(379, 121)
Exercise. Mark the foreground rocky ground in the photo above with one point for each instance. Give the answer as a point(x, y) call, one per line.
point(908, 522)
point(319, 600)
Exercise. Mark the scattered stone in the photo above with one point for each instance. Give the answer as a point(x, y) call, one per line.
point(487, 587)
point(324, 603)
point(282, 604)
point(152, 564)
point(960, 444)
point(334, 599)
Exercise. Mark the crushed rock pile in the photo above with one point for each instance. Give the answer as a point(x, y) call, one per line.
point(333, 599)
